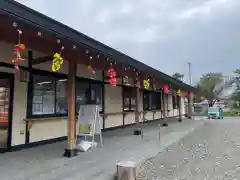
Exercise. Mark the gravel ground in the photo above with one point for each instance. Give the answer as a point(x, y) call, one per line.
point(210, 152)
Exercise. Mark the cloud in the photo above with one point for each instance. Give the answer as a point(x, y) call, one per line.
point(205, 8)
point(163, 34)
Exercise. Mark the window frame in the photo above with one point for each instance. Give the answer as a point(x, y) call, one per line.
point(159, 95)
point(174, 101)
point(90, 82)
point(131, 108)
point(56, 77)
point(178, 101)
point(150, 102)
point(147, 93)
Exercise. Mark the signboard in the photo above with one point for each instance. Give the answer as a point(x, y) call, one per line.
point(126, 80)
point(89, 121)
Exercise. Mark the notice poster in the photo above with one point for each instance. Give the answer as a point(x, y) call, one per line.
point(88, 120)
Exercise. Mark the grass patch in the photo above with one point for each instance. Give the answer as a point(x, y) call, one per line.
point(232, 113)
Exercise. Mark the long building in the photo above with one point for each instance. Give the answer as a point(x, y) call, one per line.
point(48, 70)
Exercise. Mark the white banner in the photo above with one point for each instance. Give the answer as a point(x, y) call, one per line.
point(89, 120)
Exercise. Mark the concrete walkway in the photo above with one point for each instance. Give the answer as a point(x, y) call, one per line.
point(46, 162)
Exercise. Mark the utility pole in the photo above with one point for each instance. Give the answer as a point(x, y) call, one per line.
point(190, 105)
point(190, 72)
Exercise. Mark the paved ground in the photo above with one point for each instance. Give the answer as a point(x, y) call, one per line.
point(46, 162)
point(211, 152)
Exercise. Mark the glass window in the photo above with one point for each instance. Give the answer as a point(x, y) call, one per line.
point(152, 100)
point(129, 98)
point(146, 100)
point(87, 92)
point(156, 100)
point(174, 102)
point(61, 96)
point(82, 91)
point(50, 95)
point(43, 95)
point(178, 101)
point(96, 94)
point(133, 103)
point(126, 103)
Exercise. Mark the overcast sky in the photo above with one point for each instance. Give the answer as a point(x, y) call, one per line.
point(165, 34)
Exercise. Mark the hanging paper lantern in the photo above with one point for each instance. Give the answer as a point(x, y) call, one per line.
point(17, 54)
point(113, 81)
point(137, 83)
point(165, 88)
point(18, 48)
point(112, 76)
point(57, 62)
point(179, 92)
point(146, 83)
point(90, 68)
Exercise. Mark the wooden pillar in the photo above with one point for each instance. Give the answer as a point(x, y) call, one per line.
point(167, 105)
point(164, 109)
point(180, 108)
point(137, 105)
point(29, 95)
point(190, 105)
point(162, 102)
point(71, 88)
point(103, 99)
point(138, 130)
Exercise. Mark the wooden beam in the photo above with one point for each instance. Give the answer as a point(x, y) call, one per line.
point(42, 59)
point(71, 139)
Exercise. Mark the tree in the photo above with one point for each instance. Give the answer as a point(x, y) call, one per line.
point(237, 78)
point(178, 76)
point(236, 94)
point(211, 86)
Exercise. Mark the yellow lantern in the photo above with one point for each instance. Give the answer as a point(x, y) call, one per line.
point(57, 62)
point(146, 84)
point(179, 92)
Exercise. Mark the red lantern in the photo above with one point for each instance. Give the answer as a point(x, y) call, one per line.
point(112, 76)
point(165, 88)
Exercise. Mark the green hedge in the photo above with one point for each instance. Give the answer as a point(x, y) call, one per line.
point(232, 113)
